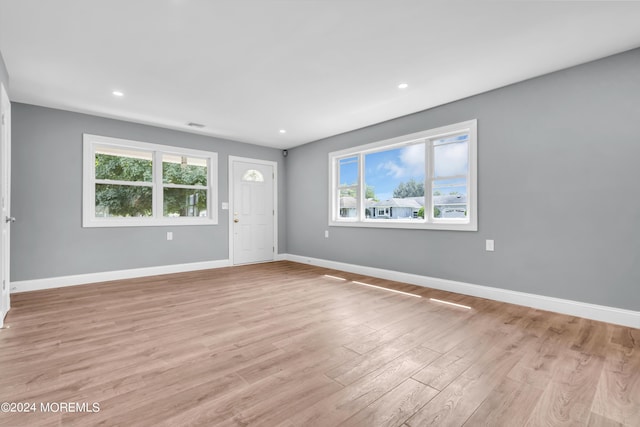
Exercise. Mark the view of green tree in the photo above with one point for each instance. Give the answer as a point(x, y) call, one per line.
point(411, 188)
point(348, 192)
point(370, 193)
point(175, 173)
point(436, 212)
point(421, 212)
point(123, 168)
point(134, 201)
point(123, 200)
point(183, 201)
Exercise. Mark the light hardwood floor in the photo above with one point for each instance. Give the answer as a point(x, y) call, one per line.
point(282, 344)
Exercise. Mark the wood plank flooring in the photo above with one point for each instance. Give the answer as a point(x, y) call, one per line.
point(282, 344)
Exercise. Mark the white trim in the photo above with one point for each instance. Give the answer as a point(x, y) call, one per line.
point(273, 164)
point(601, 313)
point(89, 219)
point(429, 222)
point(105, 276)
point(5, 109)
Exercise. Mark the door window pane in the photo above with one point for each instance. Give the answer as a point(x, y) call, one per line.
point(253, 176)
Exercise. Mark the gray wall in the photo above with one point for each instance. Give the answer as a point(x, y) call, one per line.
point(558, 191)
point(48, 239)
point(4, 74)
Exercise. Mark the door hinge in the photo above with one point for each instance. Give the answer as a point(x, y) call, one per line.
point(273, 249)
point(3, 119)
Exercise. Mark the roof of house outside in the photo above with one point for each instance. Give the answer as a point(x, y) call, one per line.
point(407, 202)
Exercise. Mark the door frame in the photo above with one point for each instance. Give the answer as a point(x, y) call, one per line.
point(272, 163)
point(5, 153)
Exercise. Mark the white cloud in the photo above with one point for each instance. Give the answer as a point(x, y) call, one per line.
point(411, 163)
point(451, 160)
point(412, 158)
point(392, 169)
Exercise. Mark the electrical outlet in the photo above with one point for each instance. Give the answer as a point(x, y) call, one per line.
point(169, 235)
point(326, 234)
point(489, 245)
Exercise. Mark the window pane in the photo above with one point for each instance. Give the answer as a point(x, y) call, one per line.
point(448, 139)
point(123, 201)
point(348, 171)
point(253, 175)
point(184, 202)
point(394, 181)
point(451, 159)
point(348, 204)
point(450, 198)
point(184, 170)
point(123, 164)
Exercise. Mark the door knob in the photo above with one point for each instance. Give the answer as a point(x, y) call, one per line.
point(235, 220)
point(10, 219)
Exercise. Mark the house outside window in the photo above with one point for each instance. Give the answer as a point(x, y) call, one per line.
point(131, 183)
point(423, 180)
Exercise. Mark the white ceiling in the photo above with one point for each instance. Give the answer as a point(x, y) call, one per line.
point(248, 68)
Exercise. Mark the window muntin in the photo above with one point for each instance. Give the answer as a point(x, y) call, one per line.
point(432, 175)
point(130, 183)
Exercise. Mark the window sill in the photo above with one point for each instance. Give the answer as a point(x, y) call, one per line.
point(451, 226)
point(147, 222)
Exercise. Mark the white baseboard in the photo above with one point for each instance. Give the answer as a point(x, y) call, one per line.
point(601, 313)
point(83, 279)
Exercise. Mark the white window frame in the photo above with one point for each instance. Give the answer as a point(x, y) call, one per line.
point(429, 222)
point(89, 219)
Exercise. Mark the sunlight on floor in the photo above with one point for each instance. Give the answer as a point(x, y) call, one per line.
point(333, 277)
point(386, 289)
point(450, 303)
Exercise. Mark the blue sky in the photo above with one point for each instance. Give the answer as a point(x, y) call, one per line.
point(384, 170)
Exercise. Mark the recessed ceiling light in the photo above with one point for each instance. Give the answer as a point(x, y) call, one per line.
point(117, 93)
point(283, 131)
point(403, 86)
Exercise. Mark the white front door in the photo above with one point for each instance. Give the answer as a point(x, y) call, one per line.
point(252, 210)
point(5, 187)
